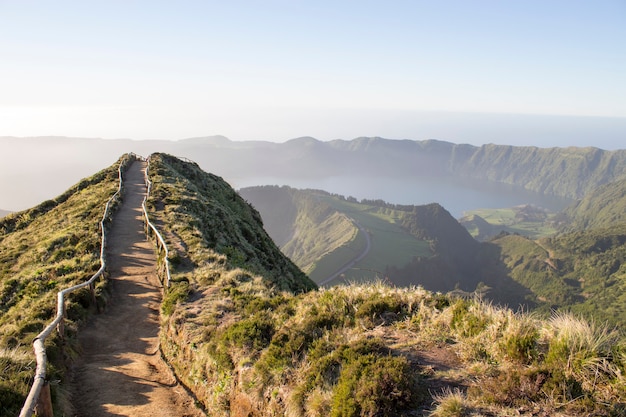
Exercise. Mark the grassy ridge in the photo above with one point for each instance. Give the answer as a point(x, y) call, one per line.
point(248, 346)
point(42, 250)
point(323, 238)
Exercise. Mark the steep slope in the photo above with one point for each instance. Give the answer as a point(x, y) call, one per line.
point(583, 271)
point(196, 206)
point(247, 348)
point(316, 236)
point(601, 208)
point(50, 247)
point(410, 245)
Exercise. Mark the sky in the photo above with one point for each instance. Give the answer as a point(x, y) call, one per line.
point(532, 72)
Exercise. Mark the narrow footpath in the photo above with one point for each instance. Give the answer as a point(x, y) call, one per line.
point(120, 371)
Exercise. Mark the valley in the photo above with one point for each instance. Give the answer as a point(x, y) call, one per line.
point(419, 319)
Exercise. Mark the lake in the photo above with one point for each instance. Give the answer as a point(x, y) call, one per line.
point(457, 196)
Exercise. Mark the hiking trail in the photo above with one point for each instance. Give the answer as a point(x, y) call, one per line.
point(120, 371)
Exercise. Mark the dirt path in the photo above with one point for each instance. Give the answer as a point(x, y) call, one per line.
point(120, 372)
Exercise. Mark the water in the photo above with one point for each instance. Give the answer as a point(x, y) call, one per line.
point(456, 196)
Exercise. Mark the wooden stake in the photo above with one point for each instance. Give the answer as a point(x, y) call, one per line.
point(44, 403)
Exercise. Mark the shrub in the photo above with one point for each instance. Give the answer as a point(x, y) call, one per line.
point(178, 291)
point(252, 333)
point(466, 320)
point(519, 341)
point(374, 386)
point(380, 309)
point(581, 350)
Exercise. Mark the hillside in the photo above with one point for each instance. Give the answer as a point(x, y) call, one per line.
point(250, 335)
point(583, 271)
point(4, 213)
point(539, 273)
point(252, 341)
point(526, 220)
point(44, 249)
point(322, 232)
point(601, 208)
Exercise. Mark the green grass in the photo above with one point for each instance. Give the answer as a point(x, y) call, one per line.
point(511, 220)
point(247, 345)
point(42, 250)
point(390, 243)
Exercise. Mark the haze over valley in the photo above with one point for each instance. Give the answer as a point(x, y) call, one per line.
point(460, 177)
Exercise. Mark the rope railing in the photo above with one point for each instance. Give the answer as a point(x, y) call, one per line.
point(35, 393)
point(150, 226)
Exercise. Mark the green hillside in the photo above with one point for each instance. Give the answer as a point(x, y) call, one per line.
point(251, 335)
point(327, 231)
point(526, 220)
point(42, 250)
point(601, 208)
point(583, 272)
point(248, 340)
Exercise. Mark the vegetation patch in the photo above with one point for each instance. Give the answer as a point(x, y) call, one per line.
point(250, 340)
point(50, 247)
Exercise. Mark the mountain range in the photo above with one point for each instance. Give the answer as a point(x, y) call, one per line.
point(567, 173)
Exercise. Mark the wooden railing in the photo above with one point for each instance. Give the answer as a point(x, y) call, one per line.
point(150, 227)
point(39, 394)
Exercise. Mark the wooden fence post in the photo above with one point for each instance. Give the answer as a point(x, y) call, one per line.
point(92, 289)
point(44, 402)
point(61, 327)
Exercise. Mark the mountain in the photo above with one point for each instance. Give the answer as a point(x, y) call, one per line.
point(580, 271)
point(324, 232)
point(250, 335)
point(337, 239)
point(424, 245)
point(4, 213)
point(567, 172)
point(207, 208)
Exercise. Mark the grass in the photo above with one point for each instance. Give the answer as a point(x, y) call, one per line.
point(252, 341)
point(42, 250)
point(391, 244)
point(523, 220)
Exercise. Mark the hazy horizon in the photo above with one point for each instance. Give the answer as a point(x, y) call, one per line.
point(544, 131)
point(532, 73)
point(523, 73)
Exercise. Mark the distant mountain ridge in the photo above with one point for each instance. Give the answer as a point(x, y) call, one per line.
point(4, 213)
point(566, 172)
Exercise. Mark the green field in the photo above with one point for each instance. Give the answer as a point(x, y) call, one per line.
point(390, 244)
point(512, 220)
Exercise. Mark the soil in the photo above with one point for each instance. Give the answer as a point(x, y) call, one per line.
point(120, 371)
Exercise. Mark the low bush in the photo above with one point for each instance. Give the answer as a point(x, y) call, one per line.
point(177, 292)
point(374, 386)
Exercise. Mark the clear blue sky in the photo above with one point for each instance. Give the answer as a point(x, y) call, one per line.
point(278, 69)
